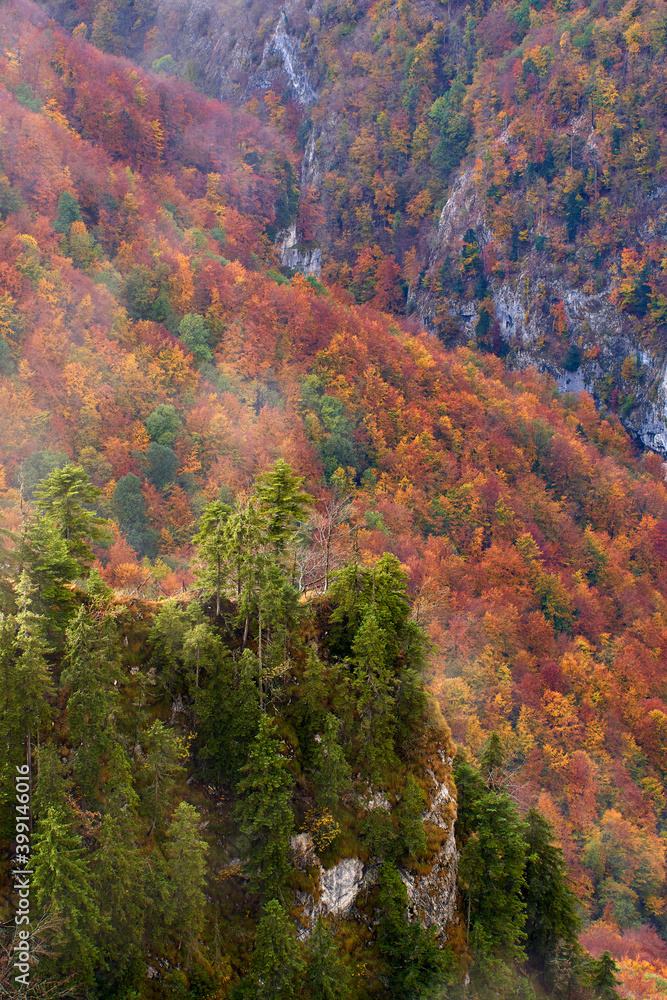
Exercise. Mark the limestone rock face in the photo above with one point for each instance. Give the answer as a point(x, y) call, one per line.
point(300, 257)
point(338, 886)
point(431, 896)
point(523, 307)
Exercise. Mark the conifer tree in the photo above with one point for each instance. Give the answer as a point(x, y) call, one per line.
point(64, 497)
point(373, 687)
point(276, 965)
point(186, 872)
point(603, 977)
point(161, 765)
point(411, 833)
point(63, 889)
point(229, 716)
point(120, 876)
point(91, 676)
point(550, 903)
point(492, 864)
point(264, 810)
point(53, 784)
point(212, 542)
point(285, 502)
point(327, 976)
point(332, 772)
point(49, 565)
point(414, 961)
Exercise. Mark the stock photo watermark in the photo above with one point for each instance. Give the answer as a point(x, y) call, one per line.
point(21, 874)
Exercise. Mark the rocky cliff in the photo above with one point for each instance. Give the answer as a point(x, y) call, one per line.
point(431, 886)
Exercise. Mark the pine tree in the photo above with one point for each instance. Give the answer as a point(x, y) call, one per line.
point(276, 965)
point(213, 545)
point(411, 833)
point(264, 810)
point(63, 889)
point(186, 871)
point(603, 977)
point(550, 903)
point(228, 717)
point(161, 765)
point(415, 963)
point(492, 864)
point(91, 676)
point(120, 876)
point(64, 497)
point(286, 503)
point(373, 687)
point(327, 976)
point(332, 772)
point(53, 785)
point(49, 565)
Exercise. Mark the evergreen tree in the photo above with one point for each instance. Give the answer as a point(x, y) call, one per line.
point(49, 565)
point(63, 889)
point(53, 785)
point(120, 875)
point(327, 976)
point(64, 497)
point(161, 765)
point(91, 676)
point(603, 977)
point(202, 649)
point(33, 677)
point(130, 508)
point(411, 833)
point(68, 212)
point(285, 502)
point(228, 717)
point(276, 965)
point(186, 872)
point(264, 810)
point(357, 590)
point(12, 732)
point(167, 639)
point(212, 542)
point(492, 864)
point(26, 682)
point(550, 903)
point(492, 763)
point(373, 687)
point(415, 964)
point(333, 774)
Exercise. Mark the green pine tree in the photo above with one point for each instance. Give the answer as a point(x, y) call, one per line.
point(186, 872)
point(285, 502)
point(212, 542)
point(333, 774)
point(276, 965)
point(120, 876)
point(551, 915)
point(164, 753)
point(91, 677)
point(415, 963)
point(264, 810)
point(327, 977)
point(492, 865)
point(65, 496)
point(65, 896)
point(603, 977)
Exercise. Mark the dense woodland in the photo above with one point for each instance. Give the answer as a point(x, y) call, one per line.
point(256, 497)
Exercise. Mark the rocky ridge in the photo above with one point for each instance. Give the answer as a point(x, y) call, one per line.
point(431, 889)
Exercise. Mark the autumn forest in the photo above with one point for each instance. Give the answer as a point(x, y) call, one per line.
point(303, 570)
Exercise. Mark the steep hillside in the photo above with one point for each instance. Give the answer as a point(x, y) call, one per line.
point(499, 169)
point(150, 337)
